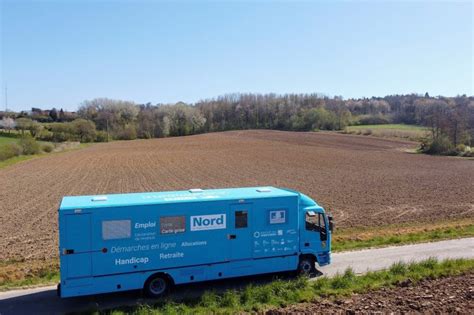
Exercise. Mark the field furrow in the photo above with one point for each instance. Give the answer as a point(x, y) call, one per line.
point(362, 181)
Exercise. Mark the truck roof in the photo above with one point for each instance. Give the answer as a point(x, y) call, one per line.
point(167, 197)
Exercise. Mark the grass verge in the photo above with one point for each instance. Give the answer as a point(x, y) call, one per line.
point(28, 273)
point(388, 126)
point(365, 237)
point(22, 158)
point(400, 131)
point(280, 293)
point(17, 159)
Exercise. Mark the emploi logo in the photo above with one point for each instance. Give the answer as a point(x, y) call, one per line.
point(208, 222)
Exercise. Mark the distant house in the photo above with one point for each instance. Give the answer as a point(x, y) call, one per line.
point(50, 115)
point(39, 112)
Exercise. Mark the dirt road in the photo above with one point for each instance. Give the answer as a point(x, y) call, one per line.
point(44, 300)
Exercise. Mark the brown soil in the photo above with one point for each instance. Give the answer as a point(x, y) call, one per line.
point(362, 181)
point(440, 296)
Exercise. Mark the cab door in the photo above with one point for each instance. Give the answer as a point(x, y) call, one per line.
point(240, 231)
point(78, 245)
point(315, 234)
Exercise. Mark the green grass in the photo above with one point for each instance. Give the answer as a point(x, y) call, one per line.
point(27, 273)
point(389, 126)
point(41, 278)
point(15, 139)
point(353, 239)
point(398, 131)
point(5, 140)
point(280, 293)
point(22, 158)
point(17, 159)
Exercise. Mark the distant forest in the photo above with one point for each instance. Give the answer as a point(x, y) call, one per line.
point(449, 118)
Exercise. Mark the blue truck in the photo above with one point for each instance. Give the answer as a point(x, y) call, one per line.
point(152, 241)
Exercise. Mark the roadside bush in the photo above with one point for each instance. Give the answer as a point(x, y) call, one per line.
point(460, 148)
point(373, 120)
point(5, 154)
point(45, 135)
point(16, 149)
point(84, 129)
point(61, 132)
point(7, 134)
point(440, 145)
point(29, 145)
point(465, 150)
point(145, 135)
point(61, 137)
point(47, 147)
point(101, 136)
point(469, 153)
point(127, 133)
point(9, 150)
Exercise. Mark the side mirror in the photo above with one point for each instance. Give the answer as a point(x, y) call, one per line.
point(331, 223)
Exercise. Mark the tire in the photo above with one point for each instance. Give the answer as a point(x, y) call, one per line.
point(306, 266)
point(157, 286)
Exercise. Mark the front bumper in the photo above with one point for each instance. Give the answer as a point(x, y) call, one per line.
point(324, 258)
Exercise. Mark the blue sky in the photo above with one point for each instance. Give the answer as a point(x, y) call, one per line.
point(60, 53)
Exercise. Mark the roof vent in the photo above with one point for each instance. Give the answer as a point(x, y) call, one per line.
point(264, 190)
point(99, 198)
point(196, 190)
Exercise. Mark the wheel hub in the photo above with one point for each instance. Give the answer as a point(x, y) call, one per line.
point(157, 286)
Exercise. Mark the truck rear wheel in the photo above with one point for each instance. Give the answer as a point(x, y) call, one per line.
point(306, 266)
point(157, 286)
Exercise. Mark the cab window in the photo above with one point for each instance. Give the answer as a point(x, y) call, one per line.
point(312, 221)
point(315, 222)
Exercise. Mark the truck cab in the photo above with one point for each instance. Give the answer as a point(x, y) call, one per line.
point(315, 235)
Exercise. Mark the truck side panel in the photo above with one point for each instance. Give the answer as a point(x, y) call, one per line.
point(194, 241)
point(157, 237)
point(276, 227)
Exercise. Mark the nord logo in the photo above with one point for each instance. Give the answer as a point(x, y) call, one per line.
point(208, 222)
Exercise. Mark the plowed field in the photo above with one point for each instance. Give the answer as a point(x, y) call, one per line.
point(360, 180)
point(451, 295)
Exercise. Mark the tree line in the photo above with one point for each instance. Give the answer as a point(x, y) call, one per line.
point(450, 119)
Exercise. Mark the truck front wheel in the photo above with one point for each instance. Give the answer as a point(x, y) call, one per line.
point(157, 286)
point(306, 266)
